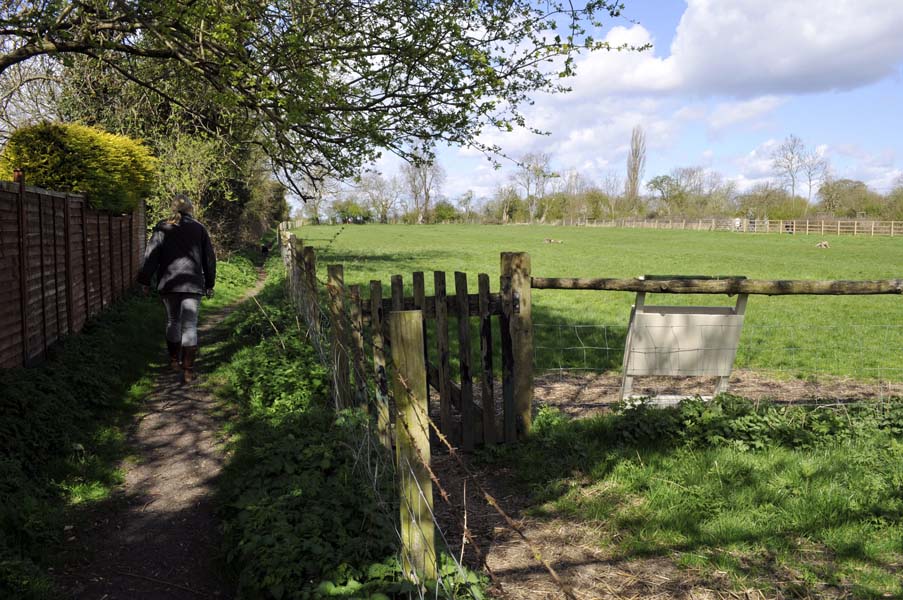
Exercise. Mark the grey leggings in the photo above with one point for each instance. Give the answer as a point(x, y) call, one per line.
point(182, 317)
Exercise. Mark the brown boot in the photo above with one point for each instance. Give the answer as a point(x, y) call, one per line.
point(175, 353)
point(189, 353)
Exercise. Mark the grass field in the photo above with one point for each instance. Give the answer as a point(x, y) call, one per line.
point(802, 337)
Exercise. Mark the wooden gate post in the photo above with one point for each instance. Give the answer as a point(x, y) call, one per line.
point(413, 445)
point(516, 265)
point(340, 338)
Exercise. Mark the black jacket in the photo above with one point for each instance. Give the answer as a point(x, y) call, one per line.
point(181, 256)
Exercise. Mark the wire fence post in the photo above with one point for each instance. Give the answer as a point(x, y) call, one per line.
point(309, 256)
point(340, 338)
point(516, 265)
point(297, 289)
point(413, 445)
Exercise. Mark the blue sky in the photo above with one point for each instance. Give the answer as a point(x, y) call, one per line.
point(726, 81)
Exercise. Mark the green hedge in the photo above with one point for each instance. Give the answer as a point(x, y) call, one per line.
point(114, 172)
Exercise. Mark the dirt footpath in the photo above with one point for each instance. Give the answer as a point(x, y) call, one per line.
point(157, 538)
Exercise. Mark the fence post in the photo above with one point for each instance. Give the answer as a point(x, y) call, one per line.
point(23, 261)
point(509, 422)
point(310, 274)
point(336, 288)
point(413, 445)
point(357, 348)
point(295, 252)
point(517, 266)
point(379, 364)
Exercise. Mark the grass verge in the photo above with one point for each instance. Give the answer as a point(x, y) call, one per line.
point(795, 501)
point(64, 423)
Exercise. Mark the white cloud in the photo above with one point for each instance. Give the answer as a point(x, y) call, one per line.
point(748, 48)
point(726, 114)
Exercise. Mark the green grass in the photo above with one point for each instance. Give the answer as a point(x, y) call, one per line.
point(788, 500)
point(62, 432)
point(803, 336)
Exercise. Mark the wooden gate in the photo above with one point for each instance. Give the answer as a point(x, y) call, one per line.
point(465, 407)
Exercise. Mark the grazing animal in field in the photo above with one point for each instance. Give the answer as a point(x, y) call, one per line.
point(552, 241)
point(823, 244)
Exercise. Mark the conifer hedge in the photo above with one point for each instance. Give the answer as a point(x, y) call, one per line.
point(114, 172)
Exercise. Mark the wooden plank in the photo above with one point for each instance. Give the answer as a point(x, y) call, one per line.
point(419, 304)
point(442, 349)
point(379, 365)
point(486, 376)
point(43, 275)
point(413, 445)
point(451, 303)
point(67, 234)
point(397, 292)
point(509, 426)
point(23, 264)
point(98, 263)
point(732, 287)
point(357, 345)
point(110, 258)
point(517, 266)
point(340, 339)
point(467, 417)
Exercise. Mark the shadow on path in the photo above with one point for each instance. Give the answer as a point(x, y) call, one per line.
point(157, 537)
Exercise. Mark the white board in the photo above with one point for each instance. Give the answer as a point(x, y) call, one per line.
point(689, 341)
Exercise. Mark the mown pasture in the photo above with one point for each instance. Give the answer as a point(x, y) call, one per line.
point(790, 336)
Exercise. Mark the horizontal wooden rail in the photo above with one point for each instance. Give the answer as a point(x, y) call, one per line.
point(451, 302)
point(768, 287)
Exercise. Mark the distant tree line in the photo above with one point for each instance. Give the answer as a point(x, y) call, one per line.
point(803, 186)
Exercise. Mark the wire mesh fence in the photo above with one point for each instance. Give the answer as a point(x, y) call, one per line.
point(784, 362)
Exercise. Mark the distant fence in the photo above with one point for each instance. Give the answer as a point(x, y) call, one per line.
point(797, 226)
point(60, 264)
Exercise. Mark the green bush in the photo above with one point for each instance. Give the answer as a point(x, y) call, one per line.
point(114, 172)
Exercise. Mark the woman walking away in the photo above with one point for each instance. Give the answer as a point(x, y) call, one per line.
point(181, 257)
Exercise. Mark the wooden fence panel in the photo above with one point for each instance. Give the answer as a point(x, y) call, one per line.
point(10, 299)
point(60, 263)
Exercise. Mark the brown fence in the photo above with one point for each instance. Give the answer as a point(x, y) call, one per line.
point(799, 226)
point(360, 334)
point(60, 264)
